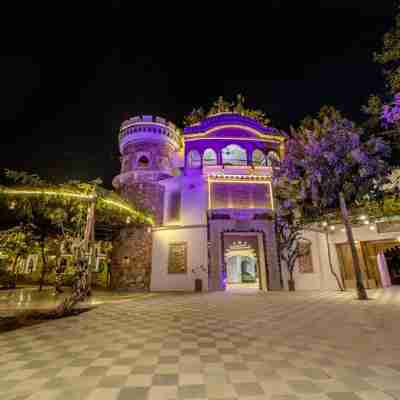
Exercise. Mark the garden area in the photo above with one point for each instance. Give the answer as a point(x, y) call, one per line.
point(56, 247)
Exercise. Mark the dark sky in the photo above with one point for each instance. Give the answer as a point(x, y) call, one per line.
point(74, 73)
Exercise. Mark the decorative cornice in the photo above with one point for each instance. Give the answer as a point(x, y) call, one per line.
point(230, 119)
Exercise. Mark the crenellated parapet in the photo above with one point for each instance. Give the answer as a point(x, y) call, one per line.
point(148, 128)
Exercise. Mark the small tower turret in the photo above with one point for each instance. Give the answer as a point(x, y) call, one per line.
point(147, 145)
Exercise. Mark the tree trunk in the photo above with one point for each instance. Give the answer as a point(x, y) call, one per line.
point(361, 292)
point(341, 288)
point(44, 267)
point(291, 284)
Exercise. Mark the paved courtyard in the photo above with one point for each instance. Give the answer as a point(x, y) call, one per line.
point(236, 345)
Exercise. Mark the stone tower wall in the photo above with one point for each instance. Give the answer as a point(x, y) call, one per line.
point(146, 196)
point(131, 259)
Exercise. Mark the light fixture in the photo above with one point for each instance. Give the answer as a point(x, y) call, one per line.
point(128, 220)
point(343, 230)
point(324, 223)
point(366, 222)
point(363, 217)
point(372, 227)
point(332, 227)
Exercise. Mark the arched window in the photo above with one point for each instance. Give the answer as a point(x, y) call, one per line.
point(259, 158)
point(194, 159)
point(272, 158)
point(234, 155)
point(209, 157)
point(143, 162)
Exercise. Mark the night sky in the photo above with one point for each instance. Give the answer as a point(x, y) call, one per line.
point(80, 72)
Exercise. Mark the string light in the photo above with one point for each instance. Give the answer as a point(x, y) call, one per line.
point(38, 192)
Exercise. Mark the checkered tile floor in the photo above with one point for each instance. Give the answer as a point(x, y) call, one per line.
point(236, 345)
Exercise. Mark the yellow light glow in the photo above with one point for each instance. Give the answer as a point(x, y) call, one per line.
point(243, 181)
point(190, 139)
point(241, 127)
point(39, 192)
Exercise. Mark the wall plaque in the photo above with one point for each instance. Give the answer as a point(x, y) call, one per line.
point(305, 260)
point(177, 258)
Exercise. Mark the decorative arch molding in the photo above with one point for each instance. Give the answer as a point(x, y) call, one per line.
point(233, 154)
point(210, 157)
point(259, 158)
point(272, 157)
point(194, 159)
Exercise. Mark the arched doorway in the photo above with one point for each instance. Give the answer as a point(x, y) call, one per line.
point(243, 261)
point(241, 266)
point(392, 256)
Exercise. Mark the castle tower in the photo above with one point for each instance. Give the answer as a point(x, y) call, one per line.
point(147, 145)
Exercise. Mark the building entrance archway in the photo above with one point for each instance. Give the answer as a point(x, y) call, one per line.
point(241, 266)
point(244, 260)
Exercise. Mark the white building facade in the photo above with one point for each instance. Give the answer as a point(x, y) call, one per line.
point(212, 194)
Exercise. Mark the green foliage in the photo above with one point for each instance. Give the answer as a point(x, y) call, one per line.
point(389, 57)
point(223, 106)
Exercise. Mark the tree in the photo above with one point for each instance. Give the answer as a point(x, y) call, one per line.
point(65, 212)
point(389, 57)
point(16, 243)
point(335, 170)
point(384, 109)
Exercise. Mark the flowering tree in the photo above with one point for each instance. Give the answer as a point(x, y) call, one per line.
point(335, 170)
point(289, 224)
point(384, 111)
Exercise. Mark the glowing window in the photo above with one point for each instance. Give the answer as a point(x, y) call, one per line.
point(234, 155)
point(272, 158)
point(259, 158)
point(209, 157)
point(194, 159)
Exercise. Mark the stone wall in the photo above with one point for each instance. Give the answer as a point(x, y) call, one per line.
point(146, 196)
point(131, 259)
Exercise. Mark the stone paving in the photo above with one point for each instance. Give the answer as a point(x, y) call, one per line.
point(241, 345)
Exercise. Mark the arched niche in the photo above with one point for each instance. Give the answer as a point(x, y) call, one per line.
point(143, 162)
point(258, 158)
point(272, 158)
point(209, 157)
point(233, 154)
point(194, 159)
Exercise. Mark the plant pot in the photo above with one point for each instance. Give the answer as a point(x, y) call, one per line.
point(198, 285)
point(291, 285)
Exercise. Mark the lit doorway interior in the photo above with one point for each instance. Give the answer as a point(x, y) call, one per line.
point(241, 264)
point(392, 256)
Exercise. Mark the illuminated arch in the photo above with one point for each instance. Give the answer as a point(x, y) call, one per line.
point(209, 157)
point(233, 154)
point(272, 158)
point(194, 159)
point(258, 158)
